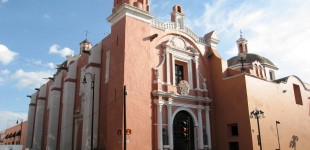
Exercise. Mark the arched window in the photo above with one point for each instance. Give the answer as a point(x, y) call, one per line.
point(240, 48)
point(179, 9)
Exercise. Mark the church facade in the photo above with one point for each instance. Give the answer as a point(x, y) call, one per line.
point(156, 85)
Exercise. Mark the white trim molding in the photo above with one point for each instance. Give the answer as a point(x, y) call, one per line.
point(178, 96)
point(128, 10)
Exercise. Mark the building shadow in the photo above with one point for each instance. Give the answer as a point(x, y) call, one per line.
point(293, 142)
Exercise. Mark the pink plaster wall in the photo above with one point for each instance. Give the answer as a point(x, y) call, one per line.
point(279, 106)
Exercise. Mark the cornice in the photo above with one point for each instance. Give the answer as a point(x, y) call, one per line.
point(181, 97)
point(131, 11)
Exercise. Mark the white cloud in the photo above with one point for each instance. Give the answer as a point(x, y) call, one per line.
point(51, 65)
point(55, 49)
point(3, 1)
point(278, 30)
point(5, 72)
point(41, 64)
point(1, 81)
point(7, 116)
point(46, 16)
point(6, 54)
point(30, 79)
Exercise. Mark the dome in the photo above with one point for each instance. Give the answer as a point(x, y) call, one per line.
point(250, 58)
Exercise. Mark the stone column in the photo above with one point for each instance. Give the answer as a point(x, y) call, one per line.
point(208, 126)
point(31, 119)
point(197, 72)
point(190, 73)
point(200, 131)
point(168, 67)
point(170, 126)
point(159, 125)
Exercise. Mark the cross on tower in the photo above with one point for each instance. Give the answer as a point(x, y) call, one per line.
point(242, 60)
point(240, 34)
point(86, 33)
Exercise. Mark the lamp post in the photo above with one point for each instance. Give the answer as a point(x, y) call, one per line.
point(278, 122)
point(257, 114)
point(92, 108)
point(21, 129)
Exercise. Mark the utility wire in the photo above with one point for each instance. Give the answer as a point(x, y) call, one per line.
point(32, 63)
point(29, 62)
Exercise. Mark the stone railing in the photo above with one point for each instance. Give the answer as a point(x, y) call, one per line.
point(171, 26)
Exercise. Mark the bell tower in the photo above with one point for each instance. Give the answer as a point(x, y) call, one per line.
point(177, 16)
point(242, 44)
point(141, 4)
point(85, 46)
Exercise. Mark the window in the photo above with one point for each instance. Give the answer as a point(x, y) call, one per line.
point(233, 145)
point(233, 129)
point(297, 94)
point(179, 73)
point(179, 9)
point(240, 48)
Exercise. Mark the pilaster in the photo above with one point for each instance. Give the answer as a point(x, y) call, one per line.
point(170, 125)
point(200, 131)
point(208, 128)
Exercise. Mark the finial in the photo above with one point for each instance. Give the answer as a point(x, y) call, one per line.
point(86, 33)
point(240, 33)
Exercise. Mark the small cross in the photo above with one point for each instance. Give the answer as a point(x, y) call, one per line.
point(240, 34)
point(242, 60)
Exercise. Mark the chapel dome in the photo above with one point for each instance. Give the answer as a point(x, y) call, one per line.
point(250, 58)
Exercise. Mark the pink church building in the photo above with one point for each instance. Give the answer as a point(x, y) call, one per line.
point(177, 92)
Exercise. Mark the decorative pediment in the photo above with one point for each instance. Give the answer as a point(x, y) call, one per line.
point(178, 43)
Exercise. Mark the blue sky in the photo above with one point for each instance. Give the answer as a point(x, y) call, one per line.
point(35, 35)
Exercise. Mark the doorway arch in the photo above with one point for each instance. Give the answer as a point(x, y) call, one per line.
point(183, 131)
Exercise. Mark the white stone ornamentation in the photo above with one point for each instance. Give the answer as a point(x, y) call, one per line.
point(178, 42)
point(184, 87)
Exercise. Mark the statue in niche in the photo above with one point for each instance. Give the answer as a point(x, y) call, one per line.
point(204, 84)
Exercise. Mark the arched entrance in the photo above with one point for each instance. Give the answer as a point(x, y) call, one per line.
point(183, 131)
